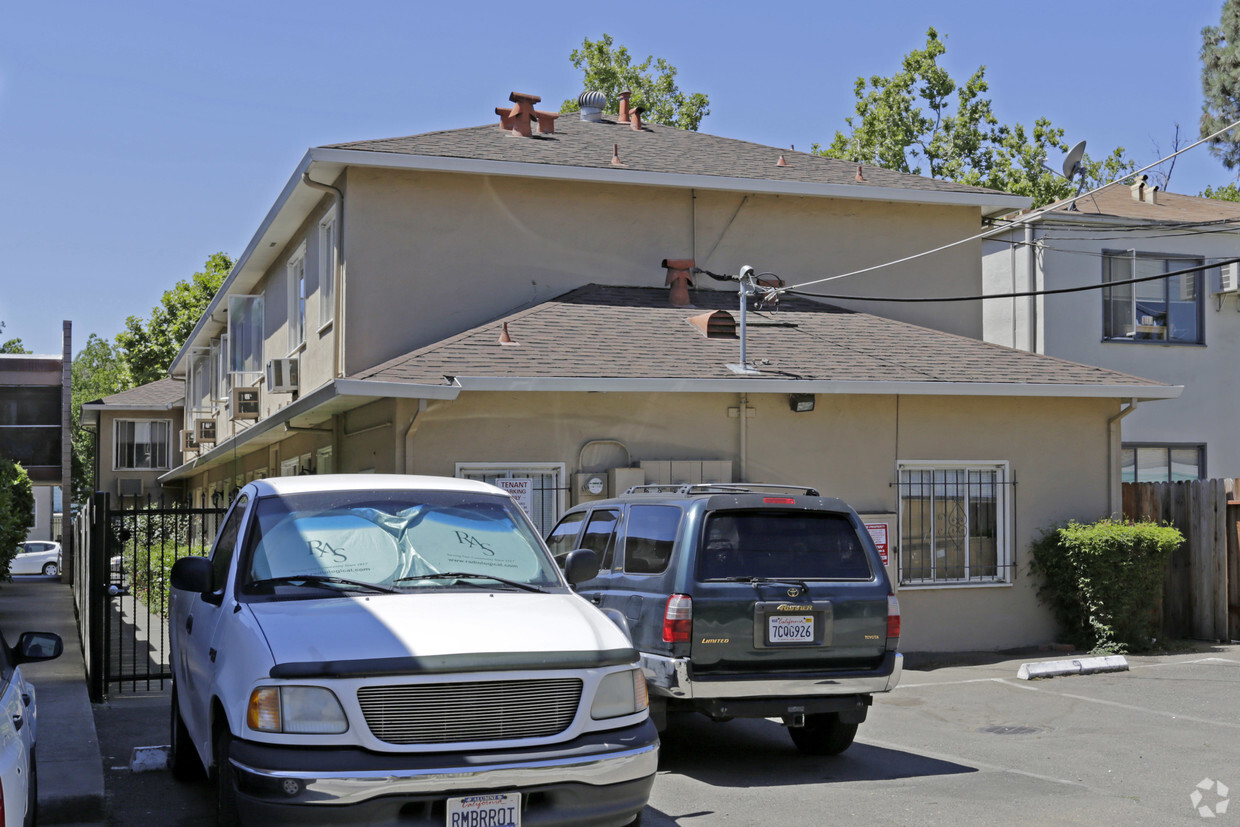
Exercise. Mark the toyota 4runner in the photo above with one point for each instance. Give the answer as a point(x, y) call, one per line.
point(746, 600)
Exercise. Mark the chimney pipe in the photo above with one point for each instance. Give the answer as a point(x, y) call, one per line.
point(635, 118)
point(624, 106)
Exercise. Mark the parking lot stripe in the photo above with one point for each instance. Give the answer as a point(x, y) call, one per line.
point(1175, 715)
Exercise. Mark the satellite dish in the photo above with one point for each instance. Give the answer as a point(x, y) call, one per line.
point(1072, 163)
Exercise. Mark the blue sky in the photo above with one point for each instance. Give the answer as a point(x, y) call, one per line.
point(138, 138)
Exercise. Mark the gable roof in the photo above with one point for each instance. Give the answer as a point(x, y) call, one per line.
point(1117, 201)
point(630, 338)
point(160, 395)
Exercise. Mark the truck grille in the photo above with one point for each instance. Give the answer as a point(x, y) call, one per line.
point(441, 713)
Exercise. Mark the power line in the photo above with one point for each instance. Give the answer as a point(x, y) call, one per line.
point(1100, 286)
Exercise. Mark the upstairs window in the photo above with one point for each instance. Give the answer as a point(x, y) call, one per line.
point(297, 299)
point(329, 264)
point(142, 443)
point(1162, 463)
point(1161, 310)
point(245, 338)
point(199, 391)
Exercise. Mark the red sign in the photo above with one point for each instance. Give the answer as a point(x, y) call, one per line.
point(878, 533)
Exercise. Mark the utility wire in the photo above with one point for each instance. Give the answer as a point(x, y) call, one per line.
point(1102, 285)
point(1027, 217)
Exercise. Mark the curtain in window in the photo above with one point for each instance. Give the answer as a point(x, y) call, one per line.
point(142, 444)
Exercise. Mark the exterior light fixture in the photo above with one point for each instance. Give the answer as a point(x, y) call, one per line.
point(801, 402)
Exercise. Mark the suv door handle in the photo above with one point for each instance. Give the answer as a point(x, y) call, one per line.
point(596, 599)
point(189, 624)
point(18, 720)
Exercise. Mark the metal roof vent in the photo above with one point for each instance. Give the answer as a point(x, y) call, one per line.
point(592, 105)
point(719, 324)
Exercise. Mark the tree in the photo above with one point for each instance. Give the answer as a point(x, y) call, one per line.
point(1220, 83)
point(99, 370)
point(16, 511)
point(609, 69)
point(921, 116)
point(12, 345)
point(1228, 193)
point(149, 346)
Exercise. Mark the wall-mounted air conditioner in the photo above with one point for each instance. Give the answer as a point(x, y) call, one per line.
point(1229, 278)
point(282, 376)
point(128, 487)
point(189, 441)
point(245, 403)
point(204, 431)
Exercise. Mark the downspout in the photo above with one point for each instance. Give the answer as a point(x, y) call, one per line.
point(338, 368)
point(1031, 263)
point(744, 418)
point(1114, 494)
point(407, 460)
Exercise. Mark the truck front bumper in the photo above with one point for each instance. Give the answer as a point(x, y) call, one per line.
point(599, 778)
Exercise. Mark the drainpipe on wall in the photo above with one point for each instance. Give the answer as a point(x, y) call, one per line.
point(1113, 471)
point(339, 308)
point(407, 460)
point(1031, 263)
point(744, 418)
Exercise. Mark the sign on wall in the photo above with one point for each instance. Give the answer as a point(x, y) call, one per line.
point(521, 489)
point(878, 533)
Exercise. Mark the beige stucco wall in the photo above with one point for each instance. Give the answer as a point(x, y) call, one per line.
point(106, 472)
point(431, 254)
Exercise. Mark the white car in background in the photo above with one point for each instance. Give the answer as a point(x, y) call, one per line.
point(37, 557)
point(19, 788)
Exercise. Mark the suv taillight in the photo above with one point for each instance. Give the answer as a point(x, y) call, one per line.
point(677, 618)
point(893, 622)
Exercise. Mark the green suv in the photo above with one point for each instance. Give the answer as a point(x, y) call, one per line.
point(745, 601)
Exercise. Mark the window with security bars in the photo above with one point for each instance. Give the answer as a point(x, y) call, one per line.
point(537, 487)
point(954, 524)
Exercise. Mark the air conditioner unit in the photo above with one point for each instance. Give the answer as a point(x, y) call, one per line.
point(126, 487)
point(282, 376)
point(1229, 278)
point(204, 431)
point(189, 441)
point(245, 403)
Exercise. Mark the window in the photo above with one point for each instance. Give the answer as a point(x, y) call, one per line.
point(1162, 310)
point(563, 537)
point(954, 524)
point(297, 298)
point(600, 536)
point(537, 486)
point(226, 545)
point(198, 392)
point(323, 459)
point(772, 543)
point(650, 535)
point(329, 264)
point(222, 377)
point(142, 443)
point(245, 337)
point(1162, 463)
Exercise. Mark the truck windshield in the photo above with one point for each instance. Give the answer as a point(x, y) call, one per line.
point(395, 540)
point(781, 544)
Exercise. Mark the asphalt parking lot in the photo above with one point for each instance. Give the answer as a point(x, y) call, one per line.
point(958, 744)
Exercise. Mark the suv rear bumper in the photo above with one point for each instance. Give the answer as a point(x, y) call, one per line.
point(608, 774)
point(673, 678)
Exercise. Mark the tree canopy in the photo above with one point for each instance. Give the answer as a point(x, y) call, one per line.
point(16, 511)
point(921, 121)
point(12, 345)
point(98, 370)
point(1220, 83)
point(609, 69)
point(150, 345)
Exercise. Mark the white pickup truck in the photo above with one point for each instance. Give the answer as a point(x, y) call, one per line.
point(394, 649)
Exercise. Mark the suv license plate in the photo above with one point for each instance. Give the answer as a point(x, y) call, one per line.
point(498, 810)
point(790, 629)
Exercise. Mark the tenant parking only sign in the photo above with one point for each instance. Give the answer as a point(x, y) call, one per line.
point(522, 490)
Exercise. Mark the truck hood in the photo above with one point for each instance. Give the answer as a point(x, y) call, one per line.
point(443, 631)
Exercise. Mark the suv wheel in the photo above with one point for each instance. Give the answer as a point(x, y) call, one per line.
point(823, 734)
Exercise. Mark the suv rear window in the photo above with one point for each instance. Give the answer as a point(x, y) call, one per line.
point(793, 544)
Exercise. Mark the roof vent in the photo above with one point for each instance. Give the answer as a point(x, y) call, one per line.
point(519, 117)
point(592, 105)
point(718, 324)
point(679, 278)
point(624, 106)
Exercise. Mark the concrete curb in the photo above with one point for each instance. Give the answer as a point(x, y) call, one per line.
point(1080, 666)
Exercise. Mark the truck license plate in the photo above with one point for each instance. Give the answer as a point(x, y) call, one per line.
point(498, 810)
point(790, 629)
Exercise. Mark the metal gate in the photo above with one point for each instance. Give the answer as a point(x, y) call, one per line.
point(124, 563)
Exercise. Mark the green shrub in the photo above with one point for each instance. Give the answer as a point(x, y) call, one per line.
point(152, 543)
point(16, 511)
point(1103, 581)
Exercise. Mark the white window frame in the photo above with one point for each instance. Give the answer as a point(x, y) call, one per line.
point(1004, 507)
point(116, 445)
point(323, 461)
point(518, 470)
point(329, 268)
point(246, 362)
point(222, 376)
point(296, 270)
point(198, 386)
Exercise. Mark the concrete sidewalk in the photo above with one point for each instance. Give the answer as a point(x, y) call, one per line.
point(71, 789)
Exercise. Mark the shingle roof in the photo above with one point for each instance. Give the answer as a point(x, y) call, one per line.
point(1118, 201)
point(656, 148)
point(162, 393)
point(634, 333)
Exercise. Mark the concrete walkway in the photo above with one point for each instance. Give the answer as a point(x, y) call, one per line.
point(71, 787)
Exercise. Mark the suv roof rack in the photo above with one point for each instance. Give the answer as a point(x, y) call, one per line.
point(721, 488)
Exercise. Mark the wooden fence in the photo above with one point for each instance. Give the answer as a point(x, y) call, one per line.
point(1201, 592)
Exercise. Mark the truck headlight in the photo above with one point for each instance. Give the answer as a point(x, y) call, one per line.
point(620, 693)
point(296, 709)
